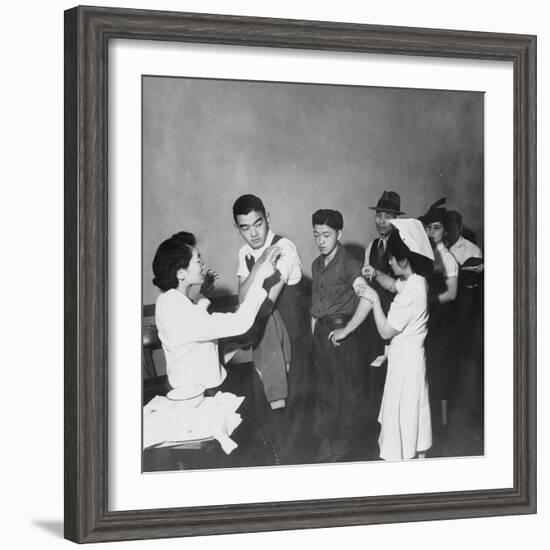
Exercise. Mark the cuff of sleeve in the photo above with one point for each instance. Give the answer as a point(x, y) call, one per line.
point(392, 325)
point(204, 303)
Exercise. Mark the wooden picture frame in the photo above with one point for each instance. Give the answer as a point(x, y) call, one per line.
point(87, 34)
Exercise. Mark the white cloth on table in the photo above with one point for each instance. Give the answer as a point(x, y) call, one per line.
point(189, 336)
point(288, 264)
point(405, 410)
point(167, 422)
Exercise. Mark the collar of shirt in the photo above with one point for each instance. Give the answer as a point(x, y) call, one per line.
point(179, 296)
point(257, 252)
point(335, 259)
point(461, 241)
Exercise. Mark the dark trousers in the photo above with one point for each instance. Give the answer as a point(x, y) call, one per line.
point(289, 430)
point(340, 384)
point(269, 420)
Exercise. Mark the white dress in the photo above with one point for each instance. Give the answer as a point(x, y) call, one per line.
point(405, 410)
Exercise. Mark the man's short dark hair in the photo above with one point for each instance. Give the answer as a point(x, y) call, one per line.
point(246, 204)
point(172, 255)
point(332, 218)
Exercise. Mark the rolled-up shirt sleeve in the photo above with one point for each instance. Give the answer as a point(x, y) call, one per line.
point(289, 260)
point(184, 322)
point(242, 270)
point(450, 266)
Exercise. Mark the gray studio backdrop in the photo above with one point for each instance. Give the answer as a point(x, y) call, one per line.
point(300, 147)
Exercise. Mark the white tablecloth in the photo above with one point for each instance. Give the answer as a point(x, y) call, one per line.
point(167, 422)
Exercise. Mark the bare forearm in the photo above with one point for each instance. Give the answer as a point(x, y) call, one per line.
point(445, 297)
point(450, 294)
point(273, 293)
point(379, 317)
point(385, 330)
point(245, 284)
point(361, 311)
point(385, 281)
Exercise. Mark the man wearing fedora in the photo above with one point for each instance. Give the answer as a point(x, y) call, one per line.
point(377, 261)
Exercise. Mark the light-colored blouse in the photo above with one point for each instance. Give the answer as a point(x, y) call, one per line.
point(189, 336)
point(444, 261)
point(408, 312)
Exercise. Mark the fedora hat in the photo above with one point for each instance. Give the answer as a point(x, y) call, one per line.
point(390, 201)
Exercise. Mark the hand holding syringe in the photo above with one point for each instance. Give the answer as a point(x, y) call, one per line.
point(369, 272)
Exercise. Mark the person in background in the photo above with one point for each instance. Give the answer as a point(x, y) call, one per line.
point(282, 387)
point(377, 261)
point(336, 313)
point(188, 333)
point(405, 410)
point(443, 286)
point(460, 247)
point(469, 322)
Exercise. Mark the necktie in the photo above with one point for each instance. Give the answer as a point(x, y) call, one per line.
point(380, 252)
point(250, 261)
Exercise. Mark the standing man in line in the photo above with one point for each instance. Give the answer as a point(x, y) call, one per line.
point(283, 396)
point(336, 313)
point(460, 247)
point(377, 261)
point(470, 328)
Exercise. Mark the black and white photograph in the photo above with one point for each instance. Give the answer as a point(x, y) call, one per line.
point(275, 274)
point(312, 273)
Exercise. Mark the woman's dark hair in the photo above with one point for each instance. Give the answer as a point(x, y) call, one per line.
point(332, 218)
point(246, 204)
point(400, 251)
point(172, 255)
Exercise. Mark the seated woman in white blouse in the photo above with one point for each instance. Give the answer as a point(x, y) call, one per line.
point(188, 333)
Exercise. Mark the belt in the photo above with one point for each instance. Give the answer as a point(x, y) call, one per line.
point(333, 321)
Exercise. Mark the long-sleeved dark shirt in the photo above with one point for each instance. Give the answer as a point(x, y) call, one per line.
point(332, 287)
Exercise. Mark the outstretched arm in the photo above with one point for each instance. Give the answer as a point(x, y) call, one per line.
point(450, 294)
point(361, 311)
point(385, 281)
point(385, 330)
point(245, 282)
point(201, 326)
point(369, 295)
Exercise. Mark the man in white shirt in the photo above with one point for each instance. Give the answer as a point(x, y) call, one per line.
point(284, 409)
point(462, 249)
point(470, 320)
